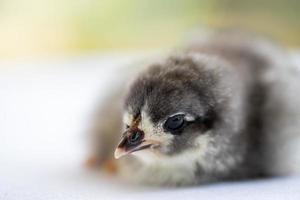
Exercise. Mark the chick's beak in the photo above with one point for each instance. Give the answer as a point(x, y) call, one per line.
point(133, 141)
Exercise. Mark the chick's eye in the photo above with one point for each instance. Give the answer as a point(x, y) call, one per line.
point(174, 123)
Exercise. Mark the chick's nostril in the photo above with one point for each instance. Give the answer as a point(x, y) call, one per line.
point(135, 138)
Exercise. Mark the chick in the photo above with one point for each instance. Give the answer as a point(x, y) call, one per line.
point(224, 108)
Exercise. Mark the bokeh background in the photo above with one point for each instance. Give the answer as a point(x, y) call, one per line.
point(39, 28)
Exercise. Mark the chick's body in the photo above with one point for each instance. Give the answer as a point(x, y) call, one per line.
point(225, 108)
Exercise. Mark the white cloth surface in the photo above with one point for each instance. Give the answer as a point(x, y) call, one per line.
point(45, 108)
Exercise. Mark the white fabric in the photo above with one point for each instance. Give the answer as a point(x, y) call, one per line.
point(44, 111)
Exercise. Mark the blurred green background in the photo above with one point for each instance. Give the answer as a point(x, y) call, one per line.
point(63, 27)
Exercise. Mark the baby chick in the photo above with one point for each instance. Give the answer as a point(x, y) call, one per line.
point(225, 108)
